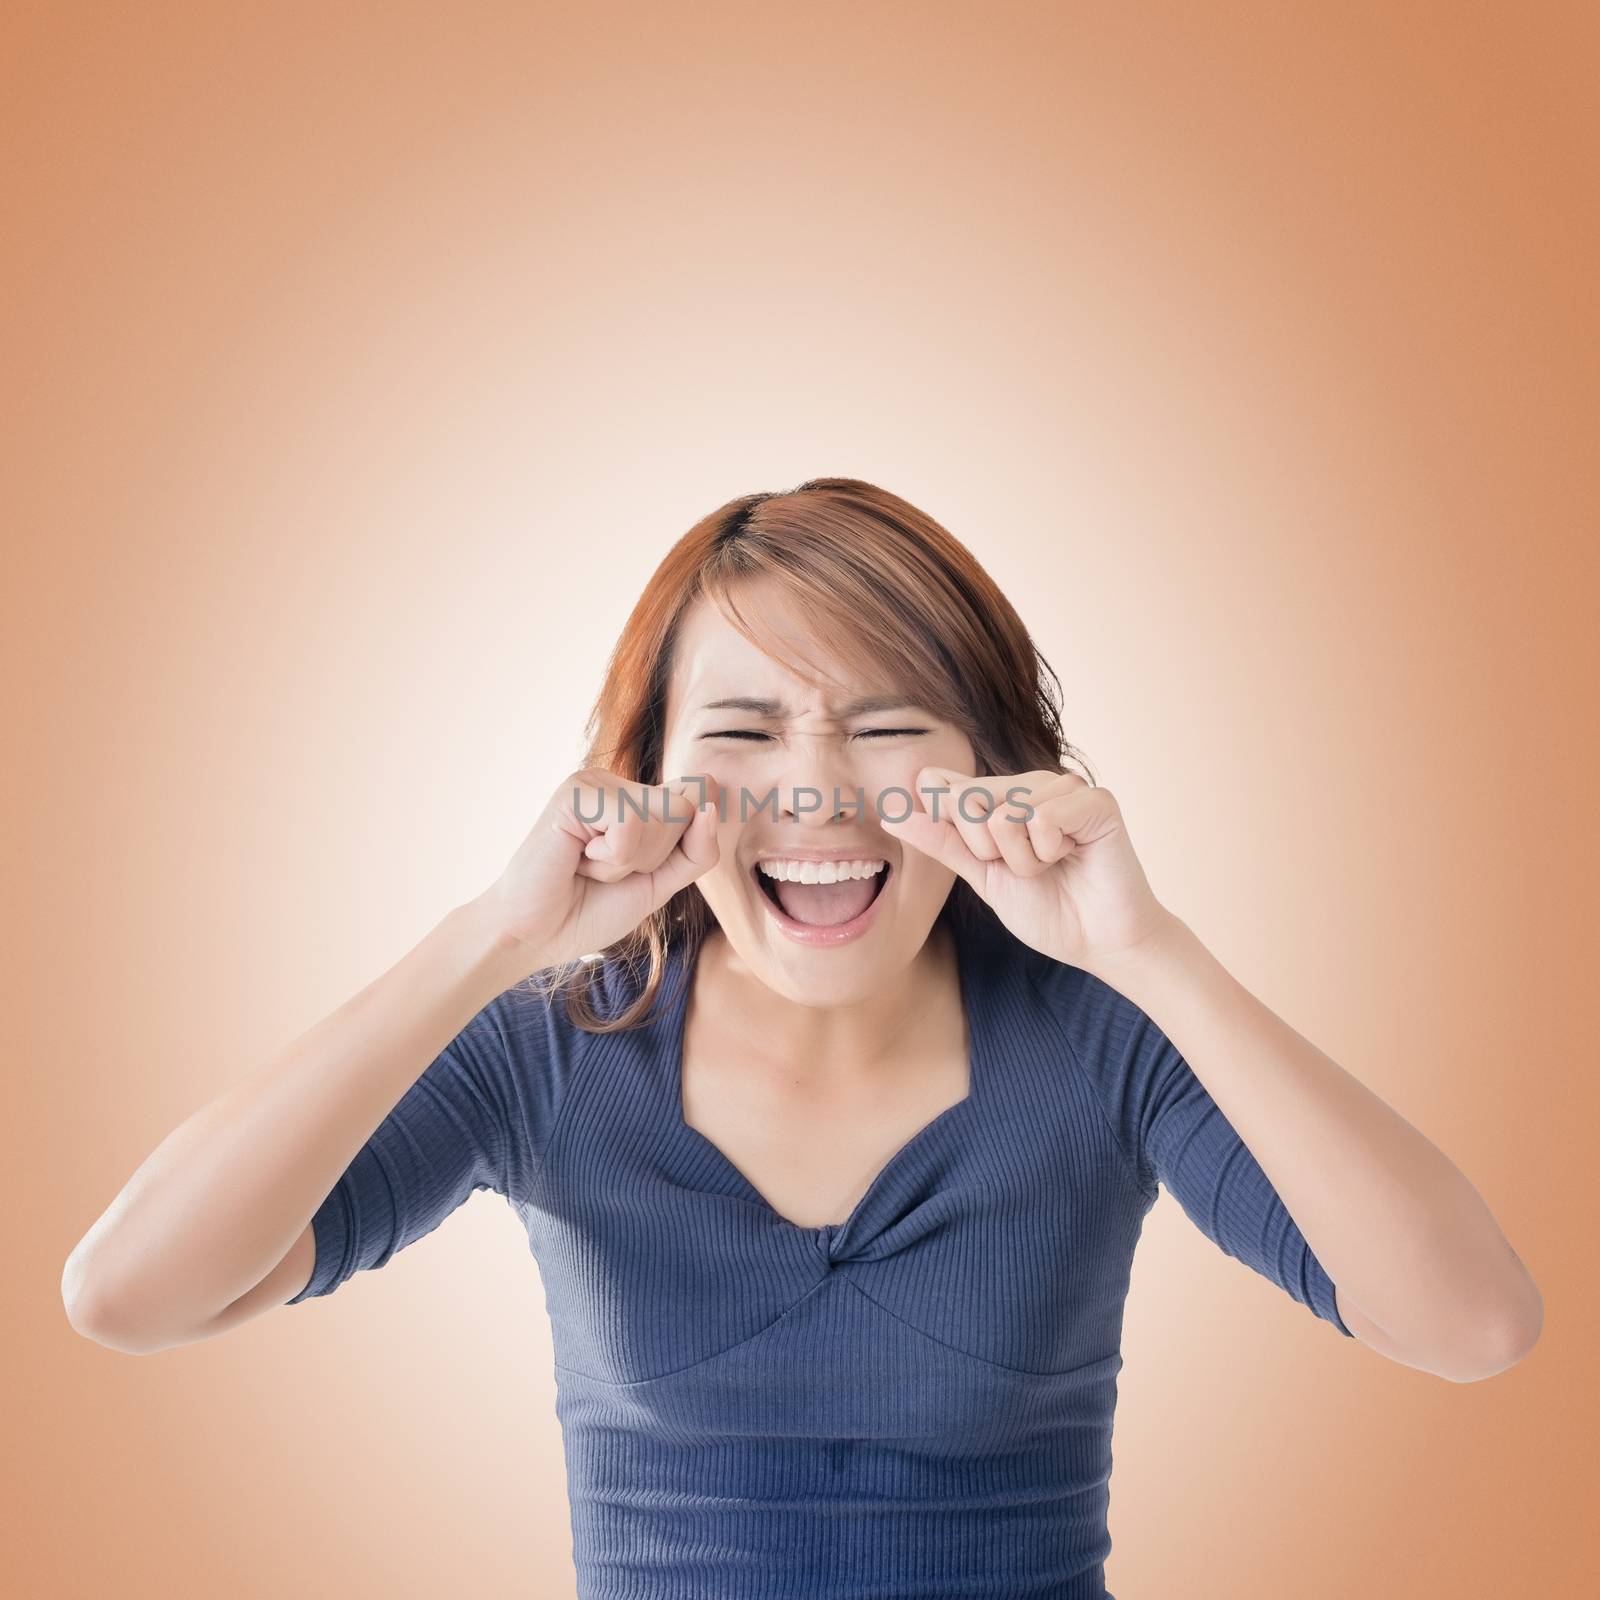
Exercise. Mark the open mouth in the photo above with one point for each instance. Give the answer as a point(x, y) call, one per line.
point(839, 905)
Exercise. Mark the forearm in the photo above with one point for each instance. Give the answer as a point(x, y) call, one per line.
point(215, 1207)
point(1397, 1226)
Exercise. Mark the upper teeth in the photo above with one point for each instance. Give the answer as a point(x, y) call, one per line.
point(820, 871)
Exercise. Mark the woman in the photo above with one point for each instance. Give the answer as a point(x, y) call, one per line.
point(852, 1049)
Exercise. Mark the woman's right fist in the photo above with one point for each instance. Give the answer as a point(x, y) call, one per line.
point(603, 855)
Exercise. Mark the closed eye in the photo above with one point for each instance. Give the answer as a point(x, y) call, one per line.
point(864, 733)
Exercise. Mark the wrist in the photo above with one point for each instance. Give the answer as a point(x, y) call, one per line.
point(499, 955)
point(1166, 942)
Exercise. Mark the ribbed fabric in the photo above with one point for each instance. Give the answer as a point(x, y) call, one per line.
point(916, 1403)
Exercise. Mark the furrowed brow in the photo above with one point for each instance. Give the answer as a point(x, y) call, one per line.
point(771, 708)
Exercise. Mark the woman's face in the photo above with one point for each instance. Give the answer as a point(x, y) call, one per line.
point(803, 774)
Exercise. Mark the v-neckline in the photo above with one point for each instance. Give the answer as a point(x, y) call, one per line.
point(677, 1027)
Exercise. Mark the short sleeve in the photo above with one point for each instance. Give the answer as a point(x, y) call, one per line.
point(479, 1117)
point(1174, 1134)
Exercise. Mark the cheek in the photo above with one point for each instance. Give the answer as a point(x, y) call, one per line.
point(920, 874)
point(677, 760)
point(893, 776)
point(949, 749)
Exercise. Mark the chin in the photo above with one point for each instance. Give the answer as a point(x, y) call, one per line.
point(819, 967)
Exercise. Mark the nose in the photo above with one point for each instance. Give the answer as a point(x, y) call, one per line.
point(817, 786)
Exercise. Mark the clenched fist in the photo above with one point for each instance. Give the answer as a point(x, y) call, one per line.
point(603, 855)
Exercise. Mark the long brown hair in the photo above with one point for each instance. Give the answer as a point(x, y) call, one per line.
point(898, 599)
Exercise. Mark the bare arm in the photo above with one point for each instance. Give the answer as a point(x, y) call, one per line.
point(215, 1226)
point(1423, 1273)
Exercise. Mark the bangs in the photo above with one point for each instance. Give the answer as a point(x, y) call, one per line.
point(860, 640)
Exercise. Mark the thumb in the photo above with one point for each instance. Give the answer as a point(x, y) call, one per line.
point(936, 837)
point(697, 850)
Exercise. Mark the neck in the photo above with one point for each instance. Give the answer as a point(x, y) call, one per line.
point(907, 1014)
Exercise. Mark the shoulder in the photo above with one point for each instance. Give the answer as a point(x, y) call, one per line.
point(534, 1021)
point(1088, 1015)
point(1059, 985)
point(526, 1037)
point(1093, 1016)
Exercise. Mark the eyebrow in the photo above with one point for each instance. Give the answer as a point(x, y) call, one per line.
point(771, 708)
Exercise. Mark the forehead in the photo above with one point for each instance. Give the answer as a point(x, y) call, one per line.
point(714, 660)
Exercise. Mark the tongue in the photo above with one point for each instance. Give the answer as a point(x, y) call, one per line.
point(825, 905)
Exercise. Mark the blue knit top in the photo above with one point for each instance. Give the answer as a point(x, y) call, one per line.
point(916, 1402)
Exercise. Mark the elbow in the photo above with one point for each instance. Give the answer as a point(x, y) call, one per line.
point(91, 1318)
point(99, 1313)
point(89, 1310)
point(1508, 1335)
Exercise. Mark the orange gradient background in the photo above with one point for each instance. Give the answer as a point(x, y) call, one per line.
point(361, 362)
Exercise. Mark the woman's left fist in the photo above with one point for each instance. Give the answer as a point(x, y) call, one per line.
point(1046, 851)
